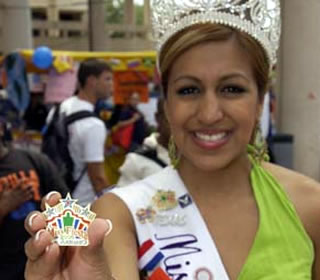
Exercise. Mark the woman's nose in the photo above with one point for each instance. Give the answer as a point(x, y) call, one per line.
point(210, 109)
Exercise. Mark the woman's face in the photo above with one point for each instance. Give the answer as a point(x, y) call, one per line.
point(212, 104)
point(134, 99)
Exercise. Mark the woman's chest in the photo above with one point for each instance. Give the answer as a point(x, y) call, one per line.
point(195, 243)
point(233, 228)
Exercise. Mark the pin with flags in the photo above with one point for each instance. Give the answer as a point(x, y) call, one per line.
point(69, 222)
point(149, 256)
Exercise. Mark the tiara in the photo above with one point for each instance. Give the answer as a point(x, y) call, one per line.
point(258, 18)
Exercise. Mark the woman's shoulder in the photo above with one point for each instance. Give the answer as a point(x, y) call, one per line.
point(139, 194)
point(142, 190)
point(108, 202)
point(110, 206)
point(304, 192)
point(292, 179)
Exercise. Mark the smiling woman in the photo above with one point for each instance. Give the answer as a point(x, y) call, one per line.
point(221, 212)
point(212, 102)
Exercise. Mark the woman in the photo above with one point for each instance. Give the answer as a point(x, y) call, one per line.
point(130, 115)
point(222, 213)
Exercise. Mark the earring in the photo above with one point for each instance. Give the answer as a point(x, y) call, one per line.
point(259, 148)
point(173, 153)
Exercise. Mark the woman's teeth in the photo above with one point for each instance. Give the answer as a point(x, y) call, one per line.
point(211, 137)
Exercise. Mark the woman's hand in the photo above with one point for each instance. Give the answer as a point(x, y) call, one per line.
point(48, 261)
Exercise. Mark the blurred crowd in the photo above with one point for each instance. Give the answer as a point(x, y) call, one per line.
point(107, 144)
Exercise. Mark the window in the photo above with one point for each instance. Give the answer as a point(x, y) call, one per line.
point(35, 32)
point(70, 16)
point(74, 33)
point(39, 14)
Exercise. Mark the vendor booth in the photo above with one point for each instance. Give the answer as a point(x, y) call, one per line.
point(28, 76)
point(53, 74)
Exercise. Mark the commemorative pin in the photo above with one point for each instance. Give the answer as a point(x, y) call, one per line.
point(164, 200)
point(68, 222)
point(146, 215)
point(203, 274)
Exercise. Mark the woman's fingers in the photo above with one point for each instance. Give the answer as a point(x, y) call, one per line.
point(44, 260)
point(52, 198)
point(36, 246)
point(43, 256)
point(34, 222)
point(94, 253)
point(98, 230)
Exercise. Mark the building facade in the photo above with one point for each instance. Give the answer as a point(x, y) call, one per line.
point(64, 25)
point(79, 25)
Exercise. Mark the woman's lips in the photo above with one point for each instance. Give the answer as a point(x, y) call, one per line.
point(211, 140)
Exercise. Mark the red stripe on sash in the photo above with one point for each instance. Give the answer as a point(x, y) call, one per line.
point(145, 247)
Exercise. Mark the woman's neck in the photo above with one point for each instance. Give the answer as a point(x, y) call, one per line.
point(232, 180)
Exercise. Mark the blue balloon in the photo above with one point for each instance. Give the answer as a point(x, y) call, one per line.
point(42, 57)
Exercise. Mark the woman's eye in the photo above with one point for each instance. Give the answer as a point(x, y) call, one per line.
point(233, 90)
point(188, 90)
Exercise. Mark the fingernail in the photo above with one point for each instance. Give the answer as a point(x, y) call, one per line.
point(110, 226)
point(48, 248)
point(50, 194)
point(37, 236)
point(31, 219)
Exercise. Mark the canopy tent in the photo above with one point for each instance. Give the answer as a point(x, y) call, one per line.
point(132, 73)
point(120, 61)
point(132, 70)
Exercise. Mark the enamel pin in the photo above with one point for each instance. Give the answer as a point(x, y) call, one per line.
point(203, 274)
point(68, 222)
point(185, 200)
point(164, 200)
point(146, 215)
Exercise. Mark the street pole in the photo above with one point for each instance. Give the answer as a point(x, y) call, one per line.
point(96, 30)
point(16, 25)
point(90, 37)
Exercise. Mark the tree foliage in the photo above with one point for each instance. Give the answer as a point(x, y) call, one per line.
point(139, 10)
point(115, 12)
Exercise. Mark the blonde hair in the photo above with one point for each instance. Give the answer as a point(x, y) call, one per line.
point(202, 33)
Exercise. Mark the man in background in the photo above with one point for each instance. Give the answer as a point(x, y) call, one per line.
point(88, 135)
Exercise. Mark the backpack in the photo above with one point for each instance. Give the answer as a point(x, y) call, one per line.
point(150, 153)
point(55, 140)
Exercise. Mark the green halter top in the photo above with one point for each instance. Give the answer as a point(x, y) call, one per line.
point(282, 250)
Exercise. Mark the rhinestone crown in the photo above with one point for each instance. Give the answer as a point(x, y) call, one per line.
point(258, 18)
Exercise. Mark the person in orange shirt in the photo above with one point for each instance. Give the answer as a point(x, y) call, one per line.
point(25, 177)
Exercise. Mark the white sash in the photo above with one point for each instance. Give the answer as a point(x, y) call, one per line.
point(180, 233)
